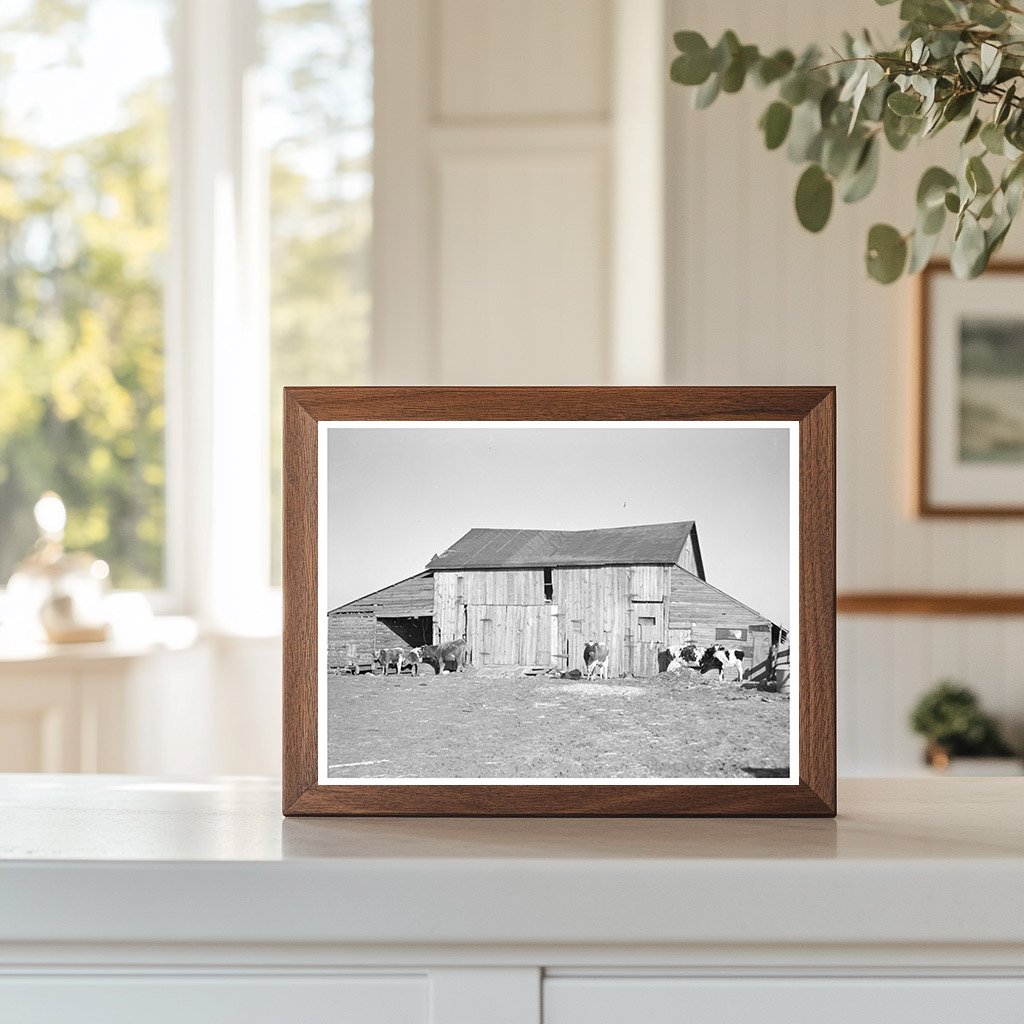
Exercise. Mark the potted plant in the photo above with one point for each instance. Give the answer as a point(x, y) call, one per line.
point(950, 718)
point(956, 62)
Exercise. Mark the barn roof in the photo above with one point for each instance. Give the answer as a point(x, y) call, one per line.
point(412, 597)
point(654, 544)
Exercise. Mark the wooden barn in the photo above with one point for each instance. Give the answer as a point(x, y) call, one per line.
point(401, 615)
point(535, 597)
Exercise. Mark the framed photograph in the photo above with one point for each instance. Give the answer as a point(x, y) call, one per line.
point(559, 601)
point(970, 451)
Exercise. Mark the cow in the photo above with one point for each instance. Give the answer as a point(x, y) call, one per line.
point(449, 656)
point(676, 657)
point(452, 654)
point(595, 659)
point(414, 658)
point(388, 656)
point(720, 657)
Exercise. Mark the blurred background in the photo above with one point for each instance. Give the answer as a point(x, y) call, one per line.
point(202, 201)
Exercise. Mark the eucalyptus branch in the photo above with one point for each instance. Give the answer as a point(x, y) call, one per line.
point(955, 59)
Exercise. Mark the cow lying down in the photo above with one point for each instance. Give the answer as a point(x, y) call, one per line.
point(705, 659)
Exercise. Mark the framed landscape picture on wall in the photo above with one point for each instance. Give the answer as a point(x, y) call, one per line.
point(970, 451)
point(571, 601)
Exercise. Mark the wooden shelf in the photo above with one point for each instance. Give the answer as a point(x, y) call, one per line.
point(928, 603)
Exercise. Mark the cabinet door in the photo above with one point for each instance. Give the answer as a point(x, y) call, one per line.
point(783, 1001)
point(205, 999)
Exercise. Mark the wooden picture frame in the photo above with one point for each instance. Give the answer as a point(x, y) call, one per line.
point(811, 413)
point(933, 471)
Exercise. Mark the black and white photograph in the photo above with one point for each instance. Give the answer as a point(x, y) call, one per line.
point(557, 602)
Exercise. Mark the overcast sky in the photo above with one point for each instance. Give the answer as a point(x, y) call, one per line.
point(397, 496)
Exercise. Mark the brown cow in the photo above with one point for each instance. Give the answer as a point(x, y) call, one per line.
point(446, 657)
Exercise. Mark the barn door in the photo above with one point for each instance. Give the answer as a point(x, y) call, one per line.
point(499, 634)
point(760, 652)
point(647, 634)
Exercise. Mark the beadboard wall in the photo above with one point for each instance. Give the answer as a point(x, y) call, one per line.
point(752, 299)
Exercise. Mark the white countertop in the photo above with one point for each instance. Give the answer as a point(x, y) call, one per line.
point(124, 859)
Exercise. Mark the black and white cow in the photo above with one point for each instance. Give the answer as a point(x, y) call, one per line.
point(721, 657)
point(388, 656)
point(678, 656)
point(595, 659)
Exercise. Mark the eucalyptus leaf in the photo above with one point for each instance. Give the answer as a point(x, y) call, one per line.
point(771, 69)
point(904, 103)
point(840, 152)
point(987, 15)
point(993, 138)
point(932, 220)
point(978, 176)
point(735, 74)
point(794, 88)
point(886, 253)
point(865, 173)
point(707, 93)
point(991, 60)
point(1005, 105)
point(814, 195)
point(805, 133)
point(931, 190)
point(724, 51)
point(968, 248)
point(973, 130)
point(922, 247)
point(775, 124)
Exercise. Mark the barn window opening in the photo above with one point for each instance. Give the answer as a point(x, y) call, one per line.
point(646, 620)
point(549, 586)
point(722, 633)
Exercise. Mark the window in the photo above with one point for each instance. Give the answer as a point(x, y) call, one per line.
point(722, 633)
point(83, 239)
point(317, 121)
point(549, 586)
point(213, 176)
point(646, 620)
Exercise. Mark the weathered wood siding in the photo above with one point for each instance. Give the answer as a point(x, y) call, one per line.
point(601, 604)
point(475, 587)
point(697, 610)
point(687, 559)
point(362, 634)
point(509, 634)
point(345, 628)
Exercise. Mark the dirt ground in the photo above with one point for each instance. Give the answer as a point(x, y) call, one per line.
point(481, 725)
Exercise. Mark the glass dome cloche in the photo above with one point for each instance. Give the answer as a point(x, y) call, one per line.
point(57, 595)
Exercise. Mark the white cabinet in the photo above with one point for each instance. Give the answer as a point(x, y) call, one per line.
point(829, 1000)
point(202, 999)
point(127, 899)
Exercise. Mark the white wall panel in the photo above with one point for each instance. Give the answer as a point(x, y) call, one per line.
point(754, 299)
point(522, 284)
point(530, 58)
